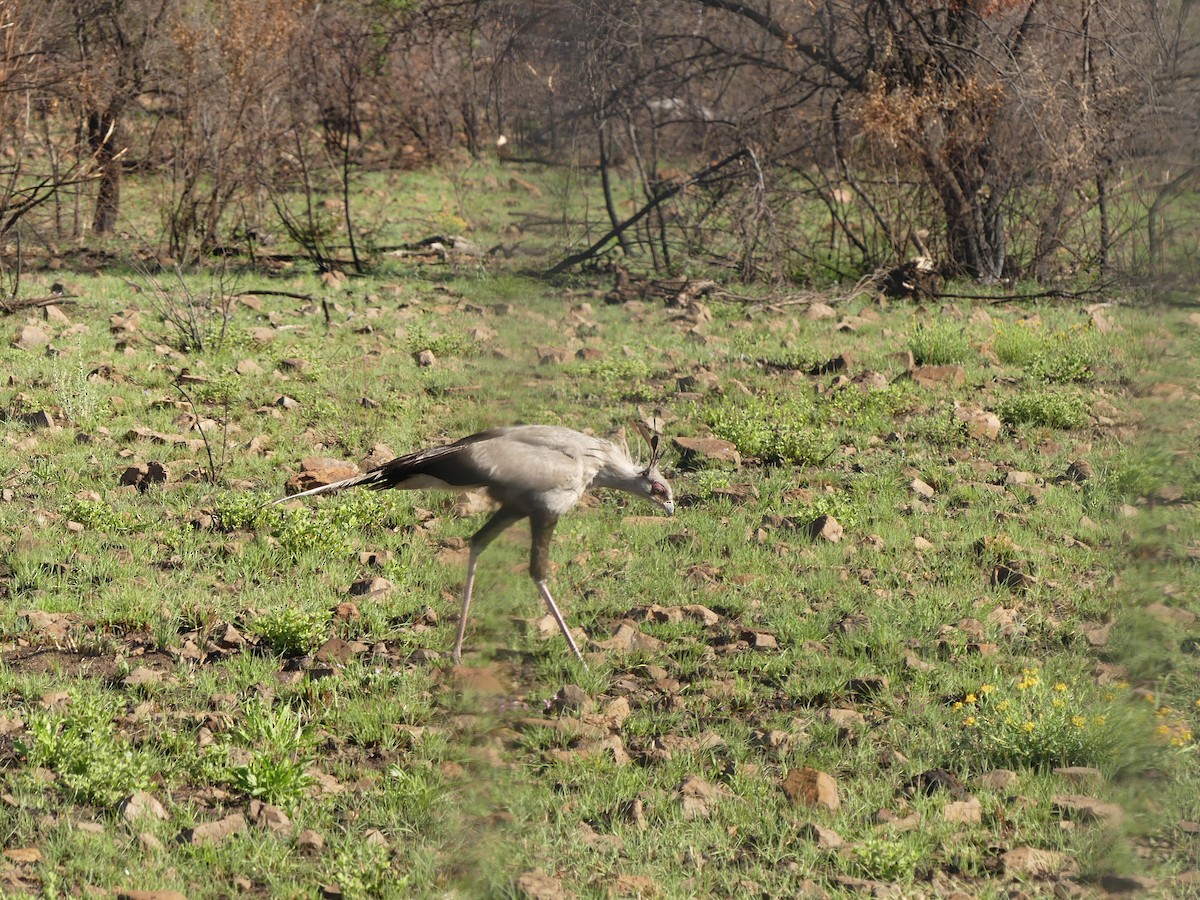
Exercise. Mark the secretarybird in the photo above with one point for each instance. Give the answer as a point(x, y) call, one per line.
point(537, 472)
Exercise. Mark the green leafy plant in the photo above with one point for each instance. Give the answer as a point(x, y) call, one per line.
point(289, 631)
point(774, 429)
point(1056, 357)
point(887, 859)
point(97, 515)
point(82, 747)
point(1030, 722)
point(282, 751)
point(939, 344)
point(1042, 407)
point(442, 345)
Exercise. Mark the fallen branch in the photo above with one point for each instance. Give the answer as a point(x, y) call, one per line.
point(8, 307)
point(656, 201)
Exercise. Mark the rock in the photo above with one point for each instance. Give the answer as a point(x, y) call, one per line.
point(1128, 884)
point(1088, 809)
point(811, 788)
point(141, 676)
point(572, 698)
point(551, 356)
point(319, 471)
point(818, 310)
point(1080, 470)
point(921, 489)
point(999, 779)
point(425, 359)
point(1031, 861)
point(1171, 615)
point(309, 841)
point(373, 587)
point(825, 528)
point(694, 453)
point(627, 638)
point(211, 833)
point(376, 456)
point(698, 796)
point(1078, 774)
point(30, 337)
point(270, 817)
point(825, 838)
point(537, 885)
point(939, 376)
point(144, 476)
point(979, 423)
point(131, 894)
point(262, 335)
point(339, 652)
point(969, 811)
point(1009, 575)
point(248, 367)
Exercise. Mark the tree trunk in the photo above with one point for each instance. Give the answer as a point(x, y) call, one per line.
point(102, 129)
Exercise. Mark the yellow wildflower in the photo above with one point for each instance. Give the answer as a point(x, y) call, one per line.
point(1057, 704)
point(988, 688)
point(1002, 705)
point(1078, 721)
point(1028, 726)
point(1060, 687)
point(1100, 720)
point(958, 704)
point(969, 721)
point(970, 698)
point(1163, 729)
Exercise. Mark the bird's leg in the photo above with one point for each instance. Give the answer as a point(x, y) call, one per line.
point(539, 569)
point(491, 529)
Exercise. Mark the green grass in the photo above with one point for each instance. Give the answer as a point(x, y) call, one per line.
point(422, 785)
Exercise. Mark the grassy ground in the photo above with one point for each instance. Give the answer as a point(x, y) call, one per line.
point(1016, 602)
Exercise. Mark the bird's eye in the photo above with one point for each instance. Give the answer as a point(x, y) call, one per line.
point(657, 488)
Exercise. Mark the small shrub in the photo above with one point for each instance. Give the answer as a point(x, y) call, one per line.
point(1059, 357)
point(939, 344)
point(282, 751)
point(444, 346)
point(1032, 723)
point(1047, 408)
point(96, 515)
point(886, 859)
point(777, 430)
point(83, 748)
point(292, 632)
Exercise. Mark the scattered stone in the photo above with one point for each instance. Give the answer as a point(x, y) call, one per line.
point(812, 788)
point(309, 841)
point(825, 838)
point(999, 779)
point(22, 855)
point(1128, 884)
point(142, 676)
point(939, 376)
point(1171, 615)
point(248, 367)
point(319, 471)
point(921, 489)
point(826, 528)
point(262, 335)
point(425, 359)
point(371, 588)
point(144, 476)
point(270, 817)
point(1032, 861)
point(336, 651)
point(1080, 470)
point(130, 894)
point(571, 698)
point(30, 337)
point(818, 310)
point(537, 885)
point(628, 638)
point(1088, 809)
point(1009, 575)
point(694, 453)
point(1078, 774)
point(969, 811)
point(212, 833)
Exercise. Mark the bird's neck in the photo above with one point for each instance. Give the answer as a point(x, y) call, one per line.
point(618, 474)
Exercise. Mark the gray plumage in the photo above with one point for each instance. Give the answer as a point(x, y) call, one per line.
point(537, 472)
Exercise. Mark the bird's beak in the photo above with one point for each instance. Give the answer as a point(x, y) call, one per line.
point(669, 506)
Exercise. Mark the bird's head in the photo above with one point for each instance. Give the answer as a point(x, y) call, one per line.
point(658, 488)
point(654, 486)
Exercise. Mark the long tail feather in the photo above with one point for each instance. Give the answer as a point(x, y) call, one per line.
point(366, 478)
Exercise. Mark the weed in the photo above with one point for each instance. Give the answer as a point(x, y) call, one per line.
point(777, 430)
point(1042, 407)
point(361, 869)
point(939, 344)
point(442, 346)
point(887, 859)
point(289, 631)
point(81, 745)
point(97, 515)
point(620, 378)
point(1056, 357)
point(1034, 723)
